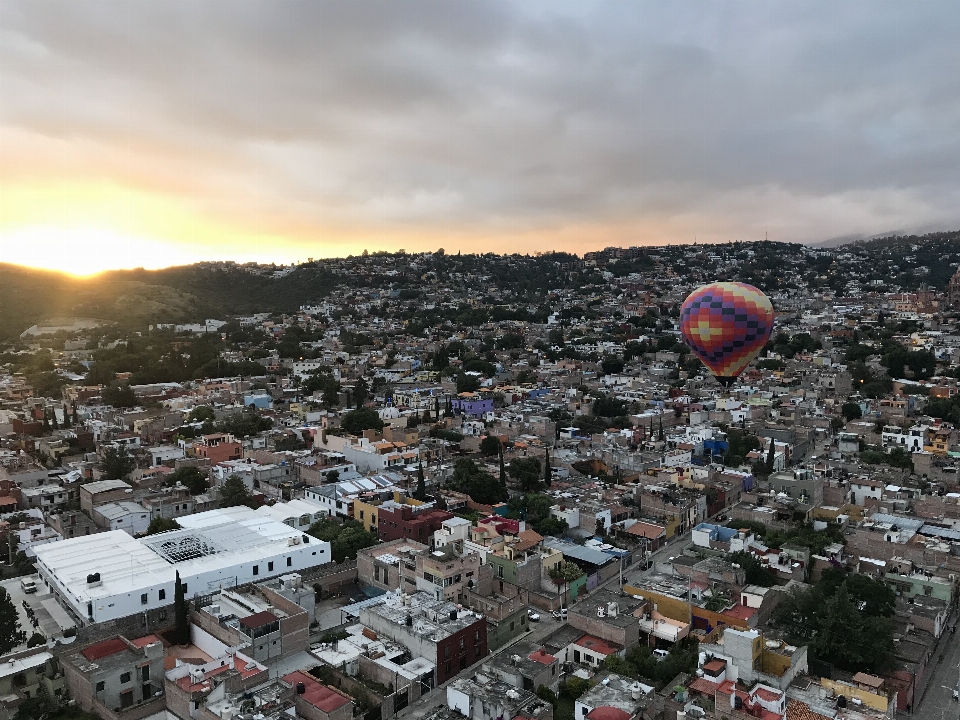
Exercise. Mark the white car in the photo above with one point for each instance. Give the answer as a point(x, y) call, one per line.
point(534, 617)
point(560, 614)
point(28, 586)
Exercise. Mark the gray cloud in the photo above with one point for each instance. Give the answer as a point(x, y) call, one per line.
point(658, 119)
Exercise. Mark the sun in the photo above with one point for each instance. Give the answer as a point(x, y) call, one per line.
point(84, 251)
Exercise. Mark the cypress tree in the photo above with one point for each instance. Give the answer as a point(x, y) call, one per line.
point(503, 471)
point(547, 478)
point(771, 456)
point(662, 436)
point(181, 614)
point(421, 491)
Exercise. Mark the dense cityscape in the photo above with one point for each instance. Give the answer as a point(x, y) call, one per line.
point(437, 485)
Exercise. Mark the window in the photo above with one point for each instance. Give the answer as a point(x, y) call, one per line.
point(376, 573)
point(143, 598)
point(163, 594)
point(289, 561)
point(100, 686)
point(125, 677)
point(386, 576)
point(446, 651)
point(145, 672)
point(256, 569)
point(461, 643)
point(184, 589)
point(270, 566)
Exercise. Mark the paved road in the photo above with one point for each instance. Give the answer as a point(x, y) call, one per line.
point(938, 700)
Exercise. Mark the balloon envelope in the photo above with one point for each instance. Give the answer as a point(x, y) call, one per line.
point(726, 324)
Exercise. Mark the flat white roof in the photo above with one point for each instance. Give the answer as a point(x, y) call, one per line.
point(208, 541)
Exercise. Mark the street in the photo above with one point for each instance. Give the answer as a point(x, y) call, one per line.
point(938, 699)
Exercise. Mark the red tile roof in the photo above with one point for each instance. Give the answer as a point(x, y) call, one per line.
point(316, 693)
point(103, 649)
point(145, 640)
point(595, 644)
point(605, 712)
point(704, 687)
point(258, 619)
point(543, 657)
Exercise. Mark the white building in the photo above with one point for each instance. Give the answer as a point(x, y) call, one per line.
point(295, 513)
point(454, 530)
point(133, 518)
point(111, 575)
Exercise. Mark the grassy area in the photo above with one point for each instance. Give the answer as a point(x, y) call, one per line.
point(564, 709)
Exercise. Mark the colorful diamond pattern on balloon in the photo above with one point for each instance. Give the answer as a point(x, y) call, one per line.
point(726, 325)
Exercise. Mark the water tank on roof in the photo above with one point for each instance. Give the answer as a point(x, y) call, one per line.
point(301, 688)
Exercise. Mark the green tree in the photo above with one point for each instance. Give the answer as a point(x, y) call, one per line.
point(36, 639)
point(202, 413)
point(851, 411)
point(490, 445)
point(234, 492)
point(160, 524)
point(116, 462)
point(527, 472)
point(421, 491)
point(120, 396)
point(10, 633)
point(756, 573)
point(356, 421)
point(480, 485)
point(181, 614)
point(467, 383)
point(566, 572)
point(547, 474)
point(360, 393)
point(191, 478)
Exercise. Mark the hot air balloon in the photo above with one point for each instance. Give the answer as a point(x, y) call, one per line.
point(726, 324)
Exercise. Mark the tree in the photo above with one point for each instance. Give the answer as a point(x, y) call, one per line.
point(161, 524)
point(360, 393)
point(191, 478)
point(116, 463)
point(490, 445)
point(202, 413)
point(234, 492)
point(551, 526)
point(421, 491)
point(527, 472)
point(467, 383)
point(181, 614)
point(356, 421)
point(771, 456)
point(851, 411)
point(547, 474)
point(480, 485)
point(119, 396)
point(10, 633)
point(756, 573)
point(565, 572)
point(36, 639)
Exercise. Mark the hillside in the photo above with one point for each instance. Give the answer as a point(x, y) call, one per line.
point(29, 296)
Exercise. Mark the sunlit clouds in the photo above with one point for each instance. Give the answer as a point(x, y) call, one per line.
point(157, 133)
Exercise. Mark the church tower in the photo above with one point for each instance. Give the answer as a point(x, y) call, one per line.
point(953, 290)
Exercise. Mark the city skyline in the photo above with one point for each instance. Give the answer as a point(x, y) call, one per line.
point(160, 134)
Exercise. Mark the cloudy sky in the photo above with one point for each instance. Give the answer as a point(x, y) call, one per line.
point(154, 133)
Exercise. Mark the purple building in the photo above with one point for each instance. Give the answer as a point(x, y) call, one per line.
point(474, 406)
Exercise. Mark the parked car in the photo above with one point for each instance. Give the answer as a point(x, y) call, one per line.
point(28, 585)
point(560, 614)
point(534, 617)
point(660, 654)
